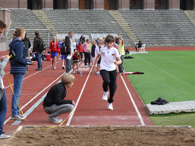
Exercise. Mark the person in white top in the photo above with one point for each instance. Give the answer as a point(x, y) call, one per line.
point(110, 58)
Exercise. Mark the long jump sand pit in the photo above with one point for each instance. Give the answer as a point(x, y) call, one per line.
point(104, 136)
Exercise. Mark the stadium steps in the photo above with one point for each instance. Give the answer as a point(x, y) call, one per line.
point(28, 20)
point(46, 21)
point(191, 15)
point(161, 27)
point(124, 25)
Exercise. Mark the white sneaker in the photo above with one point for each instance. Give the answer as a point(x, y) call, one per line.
point(85, 65)
point(2, 136)
point(73, 72)
point(105, 96)
point(110, 107)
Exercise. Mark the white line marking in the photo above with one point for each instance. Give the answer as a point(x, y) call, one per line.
point(136, 109)
point(70, 118)
point(31, 75)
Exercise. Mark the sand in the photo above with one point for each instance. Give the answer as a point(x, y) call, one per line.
point(104, 136)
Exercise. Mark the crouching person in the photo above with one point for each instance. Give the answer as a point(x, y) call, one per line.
point(54, 103)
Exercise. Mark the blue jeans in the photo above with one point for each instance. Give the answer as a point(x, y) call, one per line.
point(68, 64)
point(39, 59)
point(18, 80)
point(3, 110)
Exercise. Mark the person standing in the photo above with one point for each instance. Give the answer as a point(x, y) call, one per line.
point(69, 51)
point(54, 51)
point(121, 51)
point(18, 69)
point(85, 47)
point(3, 101)
point(38, 53)
point(82, 39)
point(109, 59)
point(27, 45)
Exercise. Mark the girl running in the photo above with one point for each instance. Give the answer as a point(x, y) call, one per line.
point(109, 59)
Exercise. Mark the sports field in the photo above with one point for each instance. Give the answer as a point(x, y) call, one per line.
point(168, 74)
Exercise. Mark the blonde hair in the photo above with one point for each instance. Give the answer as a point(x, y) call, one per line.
point(18, 32)
point(67, 78)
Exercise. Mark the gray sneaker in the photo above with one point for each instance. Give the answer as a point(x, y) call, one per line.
point(59, 119)
point(4, 136)
point(23, 116)
point(17, 117)
point(54, 119)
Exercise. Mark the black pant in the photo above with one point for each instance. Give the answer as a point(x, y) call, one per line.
point(81, 54)
point(109, 78)
point(87, 58)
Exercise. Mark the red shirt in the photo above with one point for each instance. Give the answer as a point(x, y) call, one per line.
point(79, 48)
point(48, 57)
point(54, 48)
point(74, 56)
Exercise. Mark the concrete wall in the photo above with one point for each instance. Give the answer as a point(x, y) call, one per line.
point(97, 4)
point(5, 16)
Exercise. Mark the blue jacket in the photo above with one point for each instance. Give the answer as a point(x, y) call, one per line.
point(19, 63)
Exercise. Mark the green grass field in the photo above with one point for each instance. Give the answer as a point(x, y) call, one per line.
point(167, 74)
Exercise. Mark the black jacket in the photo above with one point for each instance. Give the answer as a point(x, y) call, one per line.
point(56, 95)
point(27, 43)
point(139, 44)
point(82, 40)
point(68, 45)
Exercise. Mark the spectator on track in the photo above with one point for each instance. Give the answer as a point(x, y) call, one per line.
point(121, 51)
point(69, 51)
point(54, 52)
point(18, 69)
point(85, 47)
point(109, 59)
point(54, 103)
point(27, 45)
point(75, 61)
point(36, 50)
point(97, 50)
point(3, 101)
point(82, 39)
point(62, 56)
point(138, 45)
point(80, 50)
point(74, 44)
point(93, 51)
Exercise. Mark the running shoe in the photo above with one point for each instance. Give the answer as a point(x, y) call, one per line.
point(110, 107)
point(54, 119)
point(17, 117)
point(2, 136)
point(105, 96)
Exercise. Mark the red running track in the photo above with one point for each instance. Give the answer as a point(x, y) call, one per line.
point(90, 110)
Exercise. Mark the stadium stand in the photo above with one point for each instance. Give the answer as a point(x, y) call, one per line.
point(86, 22)
point(161, 27)
point(29, 21)
point(153, 27)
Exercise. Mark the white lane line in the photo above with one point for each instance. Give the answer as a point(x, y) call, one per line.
point(70, 118)
point(30, 75)
point(136, 109)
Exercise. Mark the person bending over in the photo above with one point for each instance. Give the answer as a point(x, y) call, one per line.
point(54, 103)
